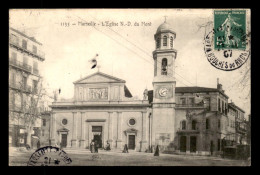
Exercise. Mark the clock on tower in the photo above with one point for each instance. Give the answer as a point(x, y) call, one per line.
point(164, 83)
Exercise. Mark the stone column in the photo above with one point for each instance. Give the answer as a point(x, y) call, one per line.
point(82, 140)
point(119, 130)
point(188, 144)
point(74, 131)
point(144, 139)
point(110, 129)
point(53, 129)
point(90, 136)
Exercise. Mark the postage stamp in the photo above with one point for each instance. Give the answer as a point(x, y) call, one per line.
point(49, 156)
point(227, 45)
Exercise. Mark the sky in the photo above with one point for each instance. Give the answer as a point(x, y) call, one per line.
point(124, 51)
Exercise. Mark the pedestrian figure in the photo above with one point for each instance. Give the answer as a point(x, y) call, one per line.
point(107, 147)
point(156, 153)
point(38, 145)
point(125, 149)
point(92, 146)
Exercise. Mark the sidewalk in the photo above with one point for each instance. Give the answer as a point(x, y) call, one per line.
point(131, 152)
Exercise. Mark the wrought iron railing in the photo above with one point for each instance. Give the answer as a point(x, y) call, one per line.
point(190, 105)
point(14, 41)
point(20, 65)
point(16, 85)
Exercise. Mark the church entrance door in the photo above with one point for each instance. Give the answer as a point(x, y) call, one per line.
point(193, 144)
point(183, 144)
point(97, 135)
point(63, 140)
point(131, 142)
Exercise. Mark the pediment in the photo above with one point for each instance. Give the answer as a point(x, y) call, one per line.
point(99, 78)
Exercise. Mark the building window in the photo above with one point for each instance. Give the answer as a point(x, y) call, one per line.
point(43, 122)
point(191, 101)
point(207, 123)
point(207, 103)
point(218, 144)
point(24, 82)
point(34, 49)
point(219, 107)
point(13, 56)
point(35, 84)
point(64, 121)
point(132, 122)
point(193, 124)
point(42, 132)
point(183, 101)
point(158, 43)
point(226, 109)
point(218, 123)
point(25, 61)
point(223, 108)
point(183, 125)
point(164, 66)
point(35, 67)
point(171, 42)
point(24, 44)
point(165, 41)
point(14, 39)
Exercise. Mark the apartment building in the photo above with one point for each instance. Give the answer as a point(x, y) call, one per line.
point(25, 59)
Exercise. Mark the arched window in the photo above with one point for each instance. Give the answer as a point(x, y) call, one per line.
point(183, 125)
point(171, 41)
point(165, 41)
point(158, 43)
point(164, 66)
point(193, 124)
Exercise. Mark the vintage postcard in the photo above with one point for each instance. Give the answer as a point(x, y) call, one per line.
point(129, 87)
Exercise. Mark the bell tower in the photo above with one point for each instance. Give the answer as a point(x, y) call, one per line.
point(164, 84)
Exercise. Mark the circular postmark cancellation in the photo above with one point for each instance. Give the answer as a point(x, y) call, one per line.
point(227, 45)
point(49, 156)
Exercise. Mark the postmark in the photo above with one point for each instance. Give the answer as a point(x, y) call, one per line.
point(49, 156)
point(227, 45)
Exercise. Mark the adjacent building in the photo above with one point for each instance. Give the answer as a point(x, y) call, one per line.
point(25, 58)
point(240, 125)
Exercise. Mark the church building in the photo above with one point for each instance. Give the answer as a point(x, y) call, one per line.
point(180, 119)
point(102, 110)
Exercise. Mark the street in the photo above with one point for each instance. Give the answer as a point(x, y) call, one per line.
point(116, 158)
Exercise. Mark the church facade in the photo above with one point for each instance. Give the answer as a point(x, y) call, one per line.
point(102, 110)
point(180, 119)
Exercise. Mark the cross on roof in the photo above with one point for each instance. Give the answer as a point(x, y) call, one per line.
point(165, 18)
point(98, 67)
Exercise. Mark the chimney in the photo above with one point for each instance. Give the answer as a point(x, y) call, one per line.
point(219, 86)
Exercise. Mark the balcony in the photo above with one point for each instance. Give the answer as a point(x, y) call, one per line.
point(21, 109)
point(20, 65)
point(14, 42)
point(188, 131)
point(15, 108)
point(18, 86)
point(240, 129)
point(194, 105)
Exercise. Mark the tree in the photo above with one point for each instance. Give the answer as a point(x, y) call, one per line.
point(28, 112)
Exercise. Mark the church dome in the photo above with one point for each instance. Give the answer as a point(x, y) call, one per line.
point(164, 27)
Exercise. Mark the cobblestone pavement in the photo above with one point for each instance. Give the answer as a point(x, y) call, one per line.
point(117, 158)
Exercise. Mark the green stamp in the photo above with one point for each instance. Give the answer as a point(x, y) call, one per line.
point(230, 29)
